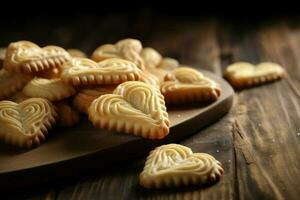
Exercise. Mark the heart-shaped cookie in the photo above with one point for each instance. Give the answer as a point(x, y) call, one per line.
point(83, 71)
point(175, 165)
point(53, 90)
point(135, 108)
point(187, 85)
point(243, 74)
point(26, 124)
point(26, 56)
point(128, 49)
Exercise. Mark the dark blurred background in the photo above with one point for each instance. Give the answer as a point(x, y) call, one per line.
point(86, 25)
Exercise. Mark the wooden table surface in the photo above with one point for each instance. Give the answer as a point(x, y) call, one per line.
point(258, 141)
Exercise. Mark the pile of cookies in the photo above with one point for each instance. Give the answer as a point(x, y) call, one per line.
point(122, 87)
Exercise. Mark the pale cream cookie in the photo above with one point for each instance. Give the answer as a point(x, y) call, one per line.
point(243, 74)
point(67, 116)
point(25, 56)
point(128, 49)
point(26, 124)
point(151, 57)
point(186, 85)
point(85, 97)
point(175, 165)
point(11, 82)
point(53, 90)
point(77, 53)
point(135, 108)
point(168, 64)
point(83, 71)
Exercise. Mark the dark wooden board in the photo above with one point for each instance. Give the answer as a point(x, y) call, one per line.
point(84, 147)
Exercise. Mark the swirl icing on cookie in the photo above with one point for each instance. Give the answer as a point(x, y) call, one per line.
point(135, 108)
point(26, 124)
point(29, 57)
point(185, 85)
point(83, 71)
point(175, 165)
point(185, 75)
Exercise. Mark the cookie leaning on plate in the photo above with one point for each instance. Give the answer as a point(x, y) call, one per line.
point(243, 74)
point(187, 85)
point(26, 124)
point(25, 56)
point(175, 165)
point(135, 108)
point(83, 71)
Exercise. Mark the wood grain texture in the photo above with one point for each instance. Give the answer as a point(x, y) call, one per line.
point(266, 119)
point(257, 142)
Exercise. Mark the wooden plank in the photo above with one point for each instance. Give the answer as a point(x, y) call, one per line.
point(266, 122)
point(216, 140)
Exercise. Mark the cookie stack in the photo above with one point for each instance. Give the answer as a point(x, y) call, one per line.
point(122, 87)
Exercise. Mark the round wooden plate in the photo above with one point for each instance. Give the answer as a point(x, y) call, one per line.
point(68, 151)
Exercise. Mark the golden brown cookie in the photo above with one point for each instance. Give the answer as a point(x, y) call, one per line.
point(151, 57)
point(67, 116)
point(25, 56)
point(52, 73)
point(11, 82)
point(175, 165)
point(77, 53)
point(26, 124)
point(243, 74)
point(186, 85)
point(53, 90)
point(2, 56)
point(135, 108)
point(83, 71)
point(85, 97)
point(128, 49)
